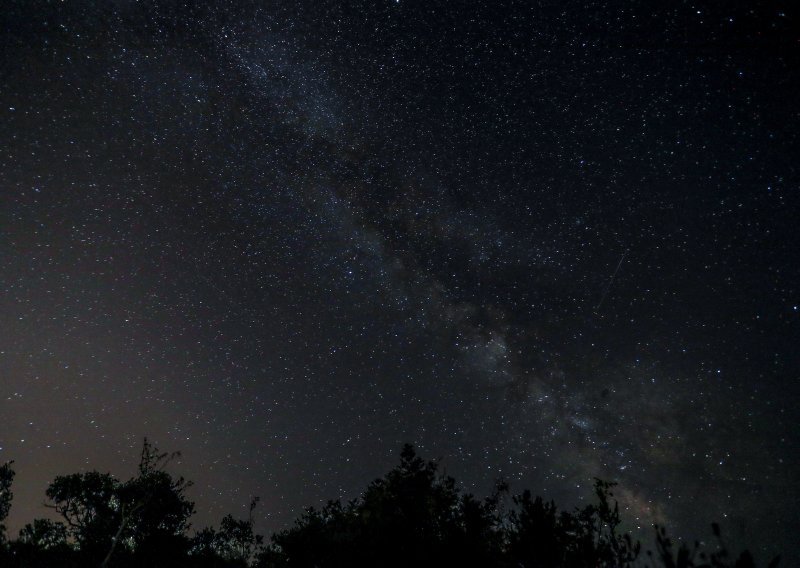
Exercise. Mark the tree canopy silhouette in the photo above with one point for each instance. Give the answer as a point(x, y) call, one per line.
point(412, 516)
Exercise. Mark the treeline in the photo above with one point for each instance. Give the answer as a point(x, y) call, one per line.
point(413, 516)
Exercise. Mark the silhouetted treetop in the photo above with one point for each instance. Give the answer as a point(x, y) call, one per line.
point(412, 516)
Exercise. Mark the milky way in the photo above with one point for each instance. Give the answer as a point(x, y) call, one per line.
point(542, 242)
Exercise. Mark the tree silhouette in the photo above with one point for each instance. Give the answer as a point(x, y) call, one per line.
point(42, 543)
point(44, 534)
point(153, 509)
point(696, 557)
point(89, 505)
point(414, 516)
point(234, 544)
point(6, 479)
point(149, 513)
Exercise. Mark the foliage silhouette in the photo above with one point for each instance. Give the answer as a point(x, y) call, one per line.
point(696, 557)
point(233, 545)
point(6, 479)
point(541, 536)
point(413, 516)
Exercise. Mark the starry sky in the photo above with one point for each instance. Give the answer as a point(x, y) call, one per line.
point(543, 241)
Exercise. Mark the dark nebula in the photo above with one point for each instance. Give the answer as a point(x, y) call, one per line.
point(543, 241)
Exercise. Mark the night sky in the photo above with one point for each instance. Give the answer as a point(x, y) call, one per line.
point(543, 241)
